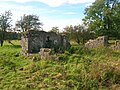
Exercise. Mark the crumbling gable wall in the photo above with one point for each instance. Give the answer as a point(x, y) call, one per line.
point(116, 46)
point(24, 44)
point(100, 41)
point(32, 41)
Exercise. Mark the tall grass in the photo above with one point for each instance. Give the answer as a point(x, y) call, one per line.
point(79, 68)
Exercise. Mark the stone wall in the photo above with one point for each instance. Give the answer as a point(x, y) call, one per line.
point(24, 44)
point(116, 46)
point(100, 41)
point(32, 41)
point(45, 53)
point(10, 35)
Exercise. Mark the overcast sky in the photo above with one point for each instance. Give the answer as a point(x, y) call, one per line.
point(51, 12)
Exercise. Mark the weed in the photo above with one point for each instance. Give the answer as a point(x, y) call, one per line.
point(79, 68)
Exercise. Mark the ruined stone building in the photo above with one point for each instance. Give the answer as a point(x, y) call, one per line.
point(32, 41)
point(116, 46)
point(100, 41)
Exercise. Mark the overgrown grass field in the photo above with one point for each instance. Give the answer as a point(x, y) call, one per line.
point(79, 68)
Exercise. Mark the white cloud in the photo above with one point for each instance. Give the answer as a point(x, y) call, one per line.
point(80, 1)
point(70, 13)
point(55, 3)
point(19, 9)
point(6, 6)
point(48, 23)
point(88, 4)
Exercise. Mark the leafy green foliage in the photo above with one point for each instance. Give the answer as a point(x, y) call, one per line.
point(5, 24)
point(102, 17)
point(29, 22)
point(55, 29)
point(77, 33)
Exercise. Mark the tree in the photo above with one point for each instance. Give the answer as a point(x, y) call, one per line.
point(29, 22)
point(55, 29)
point(68, 30)
point(81, 34)
point(77, 33)
point(5, 24)
point(102, 17)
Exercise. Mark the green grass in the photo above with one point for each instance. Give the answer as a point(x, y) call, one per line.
point(79, 68)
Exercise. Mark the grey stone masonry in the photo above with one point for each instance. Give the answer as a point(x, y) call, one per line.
point(116, 46)
point(100, 41)
point(45, 53)
point(32, 41)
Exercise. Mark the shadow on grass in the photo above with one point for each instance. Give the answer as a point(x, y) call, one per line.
point(13, 46)
point(17, 46)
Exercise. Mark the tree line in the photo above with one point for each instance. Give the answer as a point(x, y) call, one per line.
point(101, 18)
point(27, 22)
